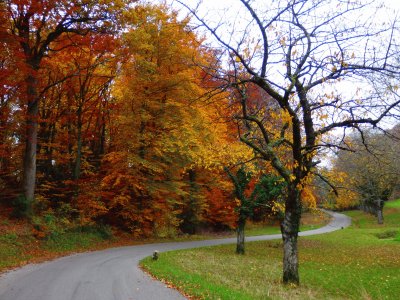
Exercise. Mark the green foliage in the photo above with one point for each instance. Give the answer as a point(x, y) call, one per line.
point(77, 237)
point(11, 249)
point(104, 231)
point(241, 181)
point(268, 189)
point(388, 234)
point(71, 240)
point(11, 238)
point(22, 207)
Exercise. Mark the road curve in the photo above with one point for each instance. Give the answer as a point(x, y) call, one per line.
point(111, 274)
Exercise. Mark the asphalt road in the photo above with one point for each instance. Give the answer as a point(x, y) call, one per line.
point(111, 274)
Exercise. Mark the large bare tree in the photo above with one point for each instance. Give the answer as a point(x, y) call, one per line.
point(313, 59)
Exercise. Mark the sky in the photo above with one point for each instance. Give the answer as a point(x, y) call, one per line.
point(212, 4)
point(214, 10)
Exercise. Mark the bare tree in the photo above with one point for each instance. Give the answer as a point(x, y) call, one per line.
point(372, 164)
point(312, 59)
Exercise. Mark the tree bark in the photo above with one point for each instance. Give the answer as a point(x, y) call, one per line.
point(240, 237)
point(379, 215)
point(78, 157)
point(29, 164)
point(379, 211)
point(290, 230)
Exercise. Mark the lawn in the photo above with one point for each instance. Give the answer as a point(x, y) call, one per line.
point(360, 262)
point(310, 220)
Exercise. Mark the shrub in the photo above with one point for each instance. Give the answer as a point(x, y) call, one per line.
point(100, 230)
point(22, 207)
point(388, 234)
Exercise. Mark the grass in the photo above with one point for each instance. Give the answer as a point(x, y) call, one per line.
point(392, 204)
point(11, 250)
point(347, 264)
point(309, 221)
point(19, 244)
point(70, 241)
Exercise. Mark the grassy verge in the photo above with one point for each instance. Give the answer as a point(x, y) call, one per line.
point(18, 246)
point(309, 221)
point(361, 262)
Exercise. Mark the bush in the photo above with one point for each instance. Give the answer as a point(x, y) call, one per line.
point(101, 230)
point(78, 238)
point(11, 238)
point(388, 234)
point(22, 207)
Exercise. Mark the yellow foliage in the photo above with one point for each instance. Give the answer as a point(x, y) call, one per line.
point(308, 197)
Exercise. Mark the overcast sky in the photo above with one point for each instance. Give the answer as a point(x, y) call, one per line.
point(228, 11)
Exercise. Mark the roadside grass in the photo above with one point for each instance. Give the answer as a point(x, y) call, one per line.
point(69, 241)
point(353, 263)
point(20, 243)
point(11, 249)
point(310, 220)
point(19, 247)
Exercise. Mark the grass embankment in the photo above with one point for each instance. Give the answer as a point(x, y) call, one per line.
point(360, 262)
point(18, 245)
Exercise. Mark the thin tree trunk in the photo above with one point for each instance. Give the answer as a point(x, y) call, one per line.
point(29, 164)
point(78, 157)
point(379, 211)
point(290, 230)
point(240, 237)
point(379, 214)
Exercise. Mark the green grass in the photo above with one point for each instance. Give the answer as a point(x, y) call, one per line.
point(263, 230)
point(19, 248)
point(310, 220)
point(393, 204)
point(78, 238)
point(352, 263)
point(11, 249)
point(70, 241)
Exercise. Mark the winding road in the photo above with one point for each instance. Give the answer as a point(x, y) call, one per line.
point(112, 274)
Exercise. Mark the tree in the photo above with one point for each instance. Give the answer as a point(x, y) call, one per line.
point(36, 26)
point(371, 164)
point(300, 53)
point(251, 195)
point(166, 139)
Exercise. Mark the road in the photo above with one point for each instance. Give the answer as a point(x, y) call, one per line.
point(111, 274)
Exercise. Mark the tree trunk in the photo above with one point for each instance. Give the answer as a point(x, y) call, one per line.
point(379, 214)
point(78, 157)
point(290, 230)
point(29, 164)
point(379, 211)
point(240, 237)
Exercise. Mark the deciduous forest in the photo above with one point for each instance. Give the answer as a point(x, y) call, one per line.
point(108, 124)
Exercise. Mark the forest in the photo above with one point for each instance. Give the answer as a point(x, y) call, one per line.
point(113, 125)
point(124, 114)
